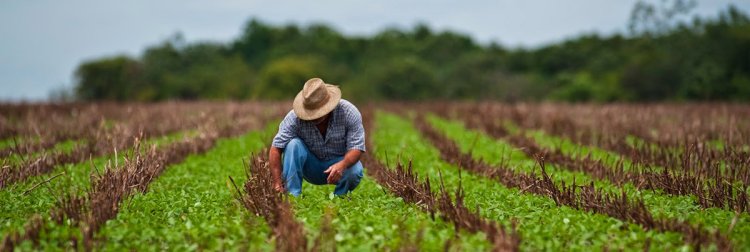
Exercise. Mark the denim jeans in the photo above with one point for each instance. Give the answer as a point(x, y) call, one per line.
point(299, 163)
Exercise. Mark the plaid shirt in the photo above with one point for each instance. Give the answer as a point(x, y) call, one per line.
point(345, 132)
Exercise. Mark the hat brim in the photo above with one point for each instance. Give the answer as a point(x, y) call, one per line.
point(305, 114)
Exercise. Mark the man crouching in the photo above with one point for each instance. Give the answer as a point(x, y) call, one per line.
point(321, 140)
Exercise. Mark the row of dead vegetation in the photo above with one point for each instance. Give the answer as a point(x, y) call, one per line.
point(98, 130)
point(87, 211)
point(676, 157)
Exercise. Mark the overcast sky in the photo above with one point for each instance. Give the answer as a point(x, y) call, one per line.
point(42, 41)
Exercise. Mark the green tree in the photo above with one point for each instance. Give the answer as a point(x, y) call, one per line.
point(406, 78)
point(113, 78)
point(284, 78)
point(662, 58)
point(219, 78)
point(159, 62)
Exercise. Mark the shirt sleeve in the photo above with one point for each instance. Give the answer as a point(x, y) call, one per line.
point(355, 131)
point(287, 131)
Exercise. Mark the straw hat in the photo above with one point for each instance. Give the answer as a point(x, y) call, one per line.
point(316, 99)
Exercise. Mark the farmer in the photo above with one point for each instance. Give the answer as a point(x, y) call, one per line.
point(321, 140)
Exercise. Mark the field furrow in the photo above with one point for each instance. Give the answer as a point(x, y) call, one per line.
point(105, 138)
point(30, 124)
point(44, 163)
point(584, 197)
point(661, 206)
point(449, 205)
point(390, 210)
point(190, 206)
point(709, 193)
point(39, 194)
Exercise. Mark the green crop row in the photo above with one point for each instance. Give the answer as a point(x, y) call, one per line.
point(484, 147)
point(542, 224)
point(191, 205)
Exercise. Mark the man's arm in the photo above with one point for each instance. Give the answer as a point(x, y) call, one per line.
point(286, 133)
point(337, 170)
point(274, 161)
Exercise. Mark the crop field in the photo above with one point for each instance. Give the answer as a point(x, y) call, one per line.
point(186, 176)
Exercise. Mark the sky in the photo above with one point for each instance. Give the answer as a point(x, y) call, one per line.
point(43, 41)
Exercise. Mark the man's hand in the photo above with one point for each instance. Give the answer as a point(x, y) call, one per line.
point(335, 172)
point(278, 187)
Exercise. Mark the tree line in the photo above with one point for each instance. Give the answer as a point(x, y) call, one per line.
point(660, 58)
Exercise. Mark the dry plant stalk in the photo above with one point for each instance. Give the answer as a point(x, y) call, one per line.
point(98, 138)
point(260, 198)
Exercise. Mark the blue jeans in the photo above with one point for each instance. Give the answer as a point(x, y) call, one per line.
point(299, 163)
